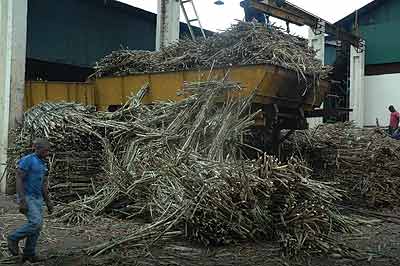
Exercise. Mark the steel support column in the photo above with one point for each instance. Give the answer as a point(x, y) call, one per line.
point(357, 86)
point(168, 14)
point(316, 40)
point(13, 24)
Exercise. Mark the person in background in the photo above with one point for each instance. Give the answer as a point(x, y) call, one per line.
point(394, 120)
point(253, 14)
point(32, 192)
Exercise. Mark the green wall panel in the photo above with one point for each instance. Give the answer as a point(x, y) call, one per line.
point(330, 54)
point(387, 11)
point(379, 25)
point(382, 43)
point(79, 32)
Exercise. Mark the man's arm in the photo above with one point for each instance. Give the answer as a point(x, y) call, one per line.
point(19, 182)
point(46, 194)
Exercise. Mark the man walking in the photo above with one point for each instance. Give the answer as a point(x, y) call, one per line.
point(32, 192)
point(394, 120)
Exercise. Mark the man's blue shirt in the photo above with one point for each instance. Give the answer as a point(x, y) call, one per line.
point(35, 169)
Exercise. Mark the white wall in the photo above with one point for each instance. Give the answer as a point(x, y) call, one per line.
point(380, 92)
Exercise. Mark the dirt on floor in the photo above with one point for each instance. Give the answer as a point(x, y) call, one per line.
point(63, 245)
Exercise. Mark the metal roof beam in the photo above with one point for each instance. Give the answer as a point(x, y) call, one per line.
point(300, 17)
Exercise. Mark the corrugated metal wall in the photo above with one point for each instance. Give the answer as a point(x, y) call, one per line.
point(330, 54)
point(79, 32)
point(383, 42)
point(379, 26)
point(381, 30)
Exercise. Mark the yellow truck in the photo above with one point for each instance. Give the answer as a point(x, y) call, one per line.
point(282, 94)
point(273, 84)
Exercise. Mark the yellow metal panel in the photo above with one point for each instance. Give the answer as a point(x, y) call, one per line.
point(57, 92)
point(164, 86)
point(92, 94)
point(132, 84)
point(28, 95)
point(248, 77)
point(86, 93)
point(191, 76)
point(272, 82)
point(39, 92)
point(203, 75)
point(80, 93)
point(274, 85)
point(109, 91)
point(72, 92)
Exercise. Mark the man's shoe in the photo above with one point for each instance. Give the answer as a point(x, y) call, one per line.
point(32, 259)
point(13, 247)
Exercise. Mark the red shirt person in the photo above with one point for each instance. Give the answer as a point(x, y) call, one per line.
point(394, 120)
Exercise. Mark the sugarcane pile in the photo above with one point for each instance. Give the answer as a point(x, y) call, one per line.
point(218, 203)
point(242, 44)
point(180, 166)
point(76, 150)
point(365, 162)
